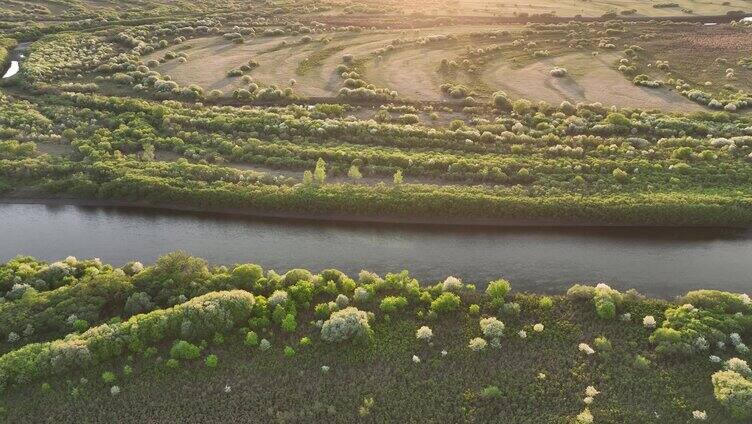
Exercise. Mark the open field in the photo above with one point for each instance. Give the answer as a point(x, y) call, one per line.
point(589, 79)
point(507, 59)
point(627, 8)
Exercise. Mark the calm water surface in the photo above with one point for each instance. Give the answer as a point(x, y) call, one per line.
point(659, 262)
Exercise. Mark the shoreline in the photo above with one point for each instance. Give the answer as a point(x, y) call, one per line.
point(342, 218)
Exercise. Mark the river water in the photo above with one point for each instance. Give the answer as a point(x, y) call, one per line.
point(658, 262)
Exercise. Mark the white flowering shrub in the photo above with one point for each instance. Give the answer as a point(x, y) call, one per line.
point(264, 344)
point(424, 333)
point(115, 390)
point(277, 298)
point(700, 415)
point(584, 417)
point(346, 324)
point(491, 327)
point(538, 328)
point(739, 366)
point(585, 348)
point(453, 284)
point(734, 392)
point(342, 301)
point(361, 295)
point(648, 321)
point(477, 344)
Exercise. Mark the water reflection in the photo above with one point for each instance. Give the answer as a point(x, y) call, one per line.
point(657, 261)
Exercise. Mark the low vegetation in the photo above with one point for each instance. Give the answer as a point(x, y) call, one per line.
point(272, 345)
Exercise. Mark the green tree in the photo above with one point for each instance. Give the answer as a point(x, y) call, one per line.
point(354, 173)
point(319, 174)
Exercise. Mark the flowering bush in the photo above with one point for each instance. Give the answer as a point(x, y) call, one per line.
point(346, 324)
point(361, 295)
point(649, 321)
point(734, 392)
point(585, 348)
point(424, 333)
point(452, 284)
point(492, 327)
point(277, 298)
point(739, 366)
point(477, 344)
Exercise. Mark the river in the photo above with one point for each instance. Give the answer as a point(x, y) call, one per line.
point(16, 55)
point(658, 262)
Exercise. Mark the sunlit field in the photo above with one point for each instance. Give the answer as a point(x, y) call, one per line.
point(444, 113)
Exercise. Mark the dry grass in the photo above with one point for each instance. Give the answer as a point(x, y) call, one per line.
point(589, 79)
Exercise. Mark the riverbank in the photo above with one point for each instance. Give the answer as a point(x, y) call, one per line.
point(346, 218)
point(238, 342)
point(661, 262)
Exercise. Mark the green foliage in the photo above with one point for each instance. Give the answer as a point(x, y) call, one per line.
point(491, 392)
point(734, 392)
point(108, 377)
point(251, 339)
point(184, 350)
point(289, 324)
point(211, 361)
point(446, 302)
point(497, 291)
point(391, 304)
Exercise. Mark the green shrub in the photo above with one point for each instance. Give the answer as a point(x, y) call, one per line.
point(491, 392)
point(184, 350)
point(446, 302)
point(289, 324)
point(289, 351)
point(108, 377)
point(251, 339)
point(545, 303)
point(497, 290)
point(391, 304)
point(602, 344)
point(211, 361)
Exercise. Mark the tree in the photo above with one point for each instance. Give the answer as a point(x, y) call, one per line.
point(398, 177)
point(354, 173)
point(319, 174)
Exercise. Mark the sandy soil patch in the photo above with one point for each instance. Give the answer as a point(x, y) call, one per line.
point(210, 59)
point(412, 72)
point(590, 79)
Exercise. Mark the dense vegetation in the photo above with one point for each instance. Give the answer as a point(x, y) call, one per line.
point(238, 342)
point(94, 114)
